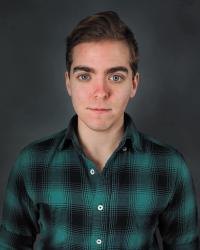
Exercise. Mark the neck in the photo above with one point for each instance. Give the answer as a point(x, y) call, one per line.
point(100, 144)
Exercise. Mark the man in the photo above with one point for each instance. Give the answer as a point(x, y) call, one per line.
point(100, 183)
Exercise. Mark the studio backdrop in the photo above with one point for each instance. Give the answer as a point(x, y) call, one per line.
point(34, 101)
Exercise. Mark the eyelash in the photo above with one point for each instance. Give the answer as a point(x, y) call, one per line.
point(79, 77)
point(122, 78)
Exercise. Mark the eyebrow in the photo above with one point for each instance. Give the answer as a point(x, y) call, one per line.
point(107, 71)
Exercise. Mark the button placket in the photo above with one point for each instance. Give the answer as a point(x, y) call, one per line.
point(98, 213)
point(96, 205)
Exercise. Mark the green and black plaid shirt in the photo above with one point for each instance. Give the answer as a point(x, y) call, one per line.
point(54, 191)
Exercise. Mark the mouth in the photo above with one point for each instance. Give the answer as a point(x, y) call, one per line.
point(99, 110)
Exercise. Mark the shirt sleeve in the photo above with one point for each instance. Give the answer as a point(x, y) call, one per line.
point(19, 226)
point(178, 222)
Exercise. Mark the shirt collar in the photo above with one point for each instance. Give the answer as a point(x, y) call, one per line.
point(130, 134)
point(70, 134)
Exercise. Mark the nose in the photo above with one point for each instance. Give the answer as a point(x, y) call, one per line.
point(101, 90)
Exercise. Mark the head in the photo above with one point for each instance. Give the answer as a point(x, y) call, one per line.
point(101, 75)
point(102, 26)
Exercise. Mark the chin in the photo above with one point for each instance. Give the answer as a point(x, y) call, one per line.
point(100, 122)
point(98, 126)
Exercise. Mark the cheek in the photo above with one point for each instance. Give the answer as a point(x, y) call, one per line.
point(79, 95)
point(122, 97)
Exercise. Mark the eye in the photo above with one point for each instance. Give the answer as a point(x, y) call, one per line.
point(83, 77)
point(116, 78)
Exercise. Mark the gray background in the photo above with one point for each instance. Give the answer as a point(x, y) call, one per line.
point(34, 102)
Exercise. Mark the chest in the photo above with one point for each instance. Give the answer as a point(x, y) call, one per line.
point(126, 188)
point(122, 201)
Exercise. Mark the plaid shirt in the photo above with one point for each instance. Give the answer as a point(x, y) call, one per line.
point(54, 191)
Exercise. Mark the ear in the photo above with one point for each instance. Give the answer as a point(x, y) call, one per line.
point(135, 82)
point(67, 82)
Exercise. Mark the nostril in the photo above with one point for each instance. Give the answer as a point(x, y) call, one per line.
point(102, 91)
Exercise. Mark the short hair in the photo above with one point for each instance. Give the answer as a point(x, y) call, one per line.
point(102, 26)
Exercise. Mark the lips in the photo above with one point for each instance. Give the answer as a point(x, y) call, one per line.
point(99, 109)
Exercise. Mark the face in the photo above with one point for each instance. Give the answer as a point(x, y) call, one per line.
point(100, 84)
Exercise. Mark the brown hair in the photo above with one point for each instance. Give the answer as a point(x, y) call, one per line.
point(102, 26)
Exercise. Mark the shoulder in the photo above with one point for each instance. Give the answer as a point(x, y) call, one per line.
point(39, 151)
point(157, 147)
point(46, 143)
point(165, 155)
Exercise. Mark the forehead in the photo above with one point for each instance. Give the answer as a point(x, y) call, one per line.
point(101, 54)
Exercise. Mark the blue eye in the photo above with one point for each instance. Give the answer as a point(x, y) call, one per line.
point(116, 78)
point(83, 77)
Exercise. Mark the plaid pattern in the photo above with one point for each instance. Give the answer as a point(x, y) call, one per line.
point(55, 191)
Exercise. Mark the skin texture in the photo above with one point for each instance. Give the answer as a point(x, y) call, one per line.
point(99, 96)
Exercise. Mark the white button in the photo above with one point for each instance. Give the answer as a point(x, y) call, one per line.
point(124, 149)
point(100, 207)
point(92, 172)
point(98, 241)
